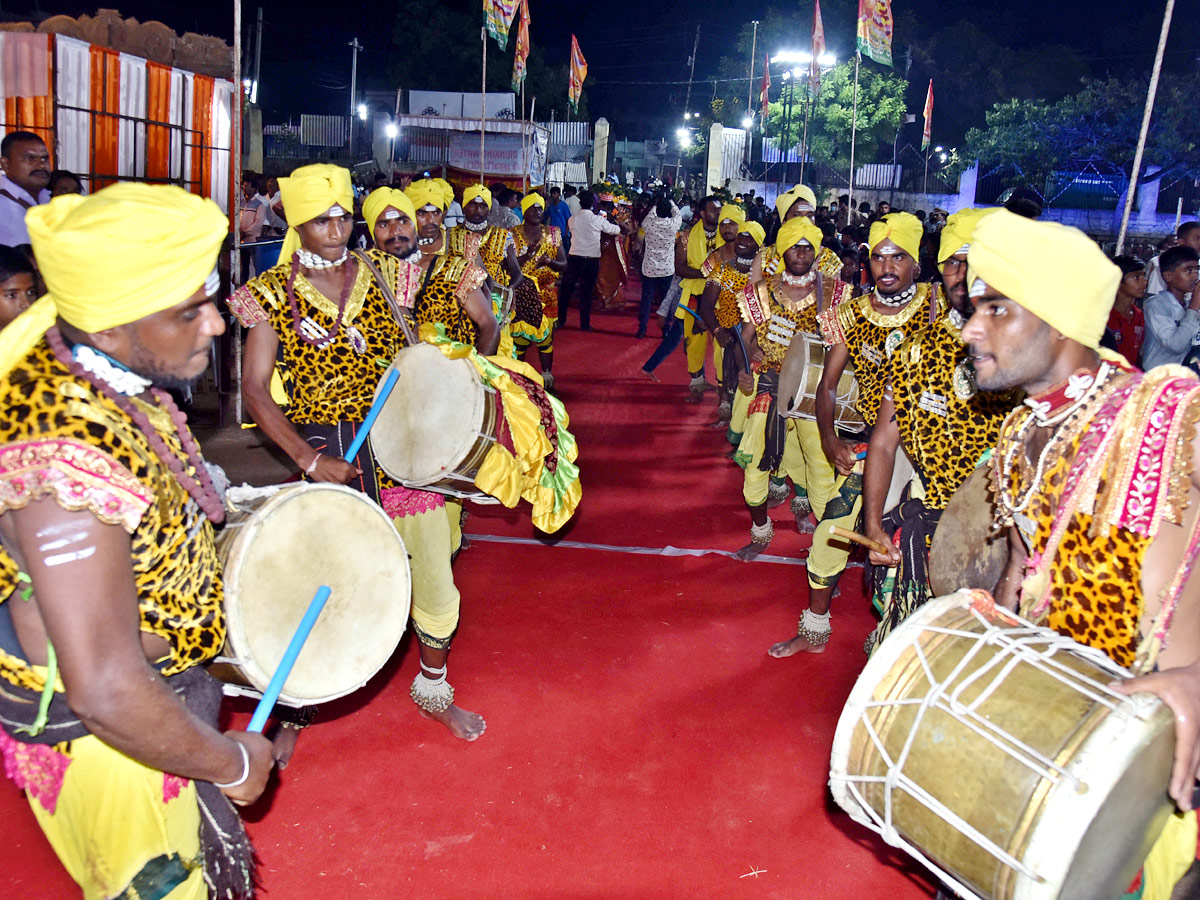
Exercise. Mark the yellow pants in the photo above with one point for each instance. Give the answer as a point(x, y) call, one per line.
point(804, 462)
point(695, 344)
point(454, 509)
point(112, 828)
point(435, 599)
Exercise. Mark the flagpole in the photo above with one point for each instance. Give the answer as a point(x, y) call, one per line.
point(925, 186)
point(808, 102)
point(532, 129)
point(853, 133)
point(750, 97)
point(1141, 145)
point(482, 103)
point(524, 122)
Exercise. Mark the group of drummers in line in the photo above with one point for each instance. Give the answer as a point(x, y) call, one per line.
point(110, 569)
point(1069, 475)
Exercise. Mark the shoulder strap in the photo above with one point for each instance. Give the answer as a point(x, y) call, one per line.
point(397, 312)
point(17, 200)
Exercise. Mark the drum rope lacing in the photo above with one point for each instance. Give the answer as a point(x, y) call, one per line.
point(1019, 644)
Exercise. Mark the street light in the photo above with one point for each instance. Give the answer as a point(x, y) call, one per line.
point(748, 121)
point(803, 57)
point(391, 130)
point(362, 111)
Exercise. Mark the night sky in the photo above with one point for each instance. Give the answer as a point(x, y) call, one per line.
point(306, 61)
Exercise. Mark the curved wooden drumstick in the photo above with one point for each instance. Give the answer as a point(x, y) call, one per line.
point(857, 538)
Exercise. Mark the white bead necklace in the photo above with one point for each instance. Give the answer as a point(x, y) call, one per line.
point(897, 299)
point(745, 261)
point(477, 227)
point(314, 261)
point(798, 280)
point(112, 373)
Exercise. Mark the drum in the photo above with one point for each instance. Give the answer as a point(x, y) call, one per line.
point(800, 376)
point(276, 549)
point(438, 424)
point(965, 551)
point(994, 752)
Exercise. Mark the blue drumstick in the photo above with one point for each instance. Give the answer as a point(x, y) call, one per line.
point(359, 438)
point(271, 694)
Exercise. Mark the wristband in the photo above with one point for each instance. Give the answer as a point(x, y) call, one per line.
point(312, 466)
point(245, 769)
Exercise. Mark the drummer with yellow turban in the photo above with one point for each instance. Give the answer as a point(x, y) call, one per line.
point(543, 258)
point(1110, 564)
point(861, 334)
point(108, 567)
point(692, 248)
point(800, 201)
point(777, 312)
point(931, 409)
point(391, 222)
point(326, 316)
point(431, 197)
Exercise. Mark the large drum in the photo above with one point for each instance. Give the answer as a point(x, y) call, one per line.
point(993, 751)
point(438, 424)
point(965, 551)
point(280, 544)
point(800, 376)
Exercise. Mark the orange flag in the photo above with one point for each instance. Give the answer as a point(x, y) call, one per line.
point(578, 73)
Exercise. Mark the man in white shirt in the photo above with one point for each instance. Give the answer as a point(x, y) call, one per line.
point(570, 199)
point(661, 225)
point(26, 164)
point(583, 263)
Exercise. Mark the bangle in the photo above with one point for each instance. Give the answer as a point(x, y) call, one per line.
point(245, 769)
point(312, 466)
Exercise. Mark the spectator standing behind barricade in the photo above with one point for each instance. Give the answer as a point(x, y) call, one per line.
point(1173, 322)
point(26, 164)
point(1188, 235)
point(64, 182)
point(1126, 328)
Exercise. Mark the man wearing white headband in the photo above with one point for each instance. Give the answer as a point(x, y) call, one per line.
point(800, 201)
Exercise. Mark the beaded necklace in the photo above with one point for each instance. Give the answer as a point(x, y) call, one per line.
point(798, 280)
point(200, 488)
point(297, 322)
point(897, 299)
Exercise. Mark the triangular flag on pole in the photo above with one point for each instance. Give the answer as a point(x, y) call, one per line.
point(928, 132)
point(520, 58)
point(818, 49)
point(875, 30)
point(498, 18)
point(578, 74)
point(766, 89)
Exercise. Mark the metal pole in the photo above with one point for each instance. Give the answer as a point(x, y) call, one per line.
point(531, 127)
point(355, 47)
point(853, 134)
point(1141, 146)
point(687, 106)
point(925, 185)
point(809, 100)
point(750, 97)
point(1178, 213)
point(257, 57)
point(895, 144)
point(524, 123)
point(482, 102)
point(235, 269)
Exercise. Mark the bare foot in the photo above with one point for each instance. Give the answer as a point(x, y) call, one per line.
point(750, 551)
point(694, 396)
point(773, 502)
point(806, 524)
point(651, 376)
point(794, 646)
point(284, 744)
point(462, 724)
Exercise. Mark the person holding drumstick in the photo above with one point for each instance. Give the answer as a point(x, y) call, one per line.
point(799, 202)
point(324, 342)
point(107, 562)
point(933, 410)
point(543, 259)
point(1096, 478)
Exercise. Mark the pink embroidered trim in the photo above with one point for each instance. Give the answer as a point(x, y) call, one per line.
point(751, 306)
point(408, 282)
point(36, 768)
point(471, 279)
point(172, 785)
point(77, 477)
point(246, 308)
point(399, 502)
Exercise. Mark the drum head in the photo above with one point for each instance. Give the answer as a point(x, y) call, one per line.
point(432, 419)
point(794, 367)
point(299, 539)
point(965, 552)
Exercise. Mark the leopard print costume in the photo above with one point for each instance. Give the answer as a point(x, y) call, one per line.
point(545, 277)
point(946, 424)
point(449, 279)
point(827, 262)
point(779, 319)
point(63, 439)
point(732, 283)
point(491, 246)
point(872, 338)
point(335, 383)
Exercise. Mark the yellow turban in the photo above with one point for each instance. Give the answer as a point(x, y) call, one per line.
point(755, 230)
point(1057, 273)
point(959, 231)
point(117, 256)
point(902, 229)
point(530, 199)
point(795, 230)
point(787, 199)
point(427, 192)
point(447, 191)
point(732, 211)
point(476, 192)
point(380, 199)
point(307, 193)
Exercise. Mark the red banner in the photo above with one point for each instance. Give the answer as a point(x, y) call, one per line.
point(520, 68)
point(818, 48)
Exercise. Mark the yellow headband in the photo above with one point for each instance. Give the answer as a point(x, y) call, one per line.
point(307, 193)
point(959, 231)
point(1057, 273)
point(532, 199)
point(732, 211)
point(477, 192)
point(795, 230)
point(117, 256)
point(902, 229)
point(380, 199)
point(755, 231)
point(427, 192)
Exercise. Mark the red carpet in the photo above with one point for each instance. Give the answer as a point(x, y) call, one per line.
point(640, 743)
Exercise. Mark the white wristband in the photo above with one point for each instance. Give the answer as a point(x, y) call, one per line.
point(245, 769)
point(312, 466)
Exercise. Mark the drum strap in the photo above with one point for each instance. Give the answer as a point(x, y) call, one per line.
point(410, 337)
point(776, 427)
